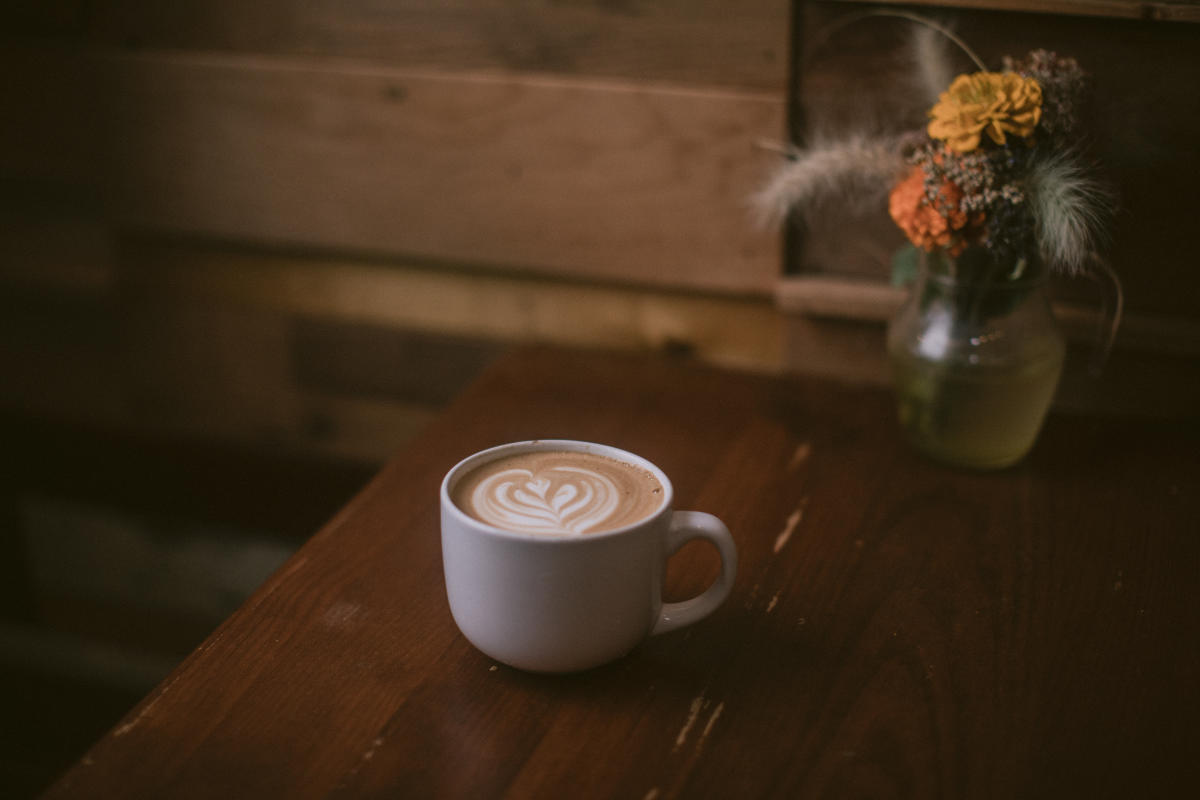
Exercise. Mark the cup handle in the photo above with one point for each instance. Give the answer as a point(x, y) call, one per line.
point(686, 526)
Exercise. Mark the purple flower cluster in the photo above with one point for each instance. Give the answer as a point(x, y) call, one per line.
point(992, 196)
point(1064, 86)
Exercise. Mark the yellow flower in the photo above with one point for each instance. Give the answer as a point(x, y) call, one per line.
point(995, 103)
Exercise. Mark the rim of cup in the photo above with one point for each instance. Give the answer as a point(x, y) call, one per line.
point(541, 445)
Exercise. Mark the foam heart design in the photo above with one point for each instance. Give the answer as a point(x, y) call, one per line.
point(561, 499)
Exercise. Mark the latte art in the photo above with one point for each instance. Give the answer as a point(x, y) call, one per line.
point(558, 492)
point(562, 499)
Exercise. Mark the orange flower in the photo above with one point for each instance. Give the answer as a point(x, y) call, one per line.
point(995, 103)
point(928, 226)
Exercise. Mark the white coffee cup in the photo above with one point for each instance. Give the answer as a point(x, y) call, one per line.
point(562, 604)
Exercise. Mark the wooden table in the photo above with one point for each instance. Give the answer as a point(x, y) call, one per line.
point(897, 628)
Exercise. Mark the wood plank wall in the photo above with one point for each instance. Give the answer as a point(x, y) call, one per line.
point(203, 199)
point(233, 189)
point(463, 132)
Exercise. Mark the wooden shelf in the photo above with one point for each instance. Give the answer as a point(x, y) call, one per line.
point(858, 300)
point(1117, 9)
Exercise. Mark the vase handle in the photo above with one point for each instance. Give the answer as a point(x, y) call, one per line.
point(1112, 307)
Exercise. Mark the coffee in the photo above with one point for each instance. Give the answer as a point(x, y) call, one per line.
point(558, 492)
point(576, 578)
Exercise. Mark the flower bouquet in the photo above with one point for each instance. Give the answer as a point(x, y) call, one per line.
point(999, 172)
point(992, 196)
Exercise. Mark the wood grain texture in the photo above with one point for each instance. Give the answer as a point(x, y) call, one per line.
point(897, 629)
point(148, 365)
point(659, 40)
point(575, 177)
point(858, 300)
point(313, 353)
point(676, 40)
point(597, 180)
point(736, 331)
point(1180, 11)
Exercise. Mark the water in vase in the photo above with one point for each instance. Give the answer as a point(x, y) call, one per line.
point(982, 416)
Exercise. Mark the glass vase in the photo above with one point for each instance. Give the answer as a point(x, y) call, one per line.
point(976, 356)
